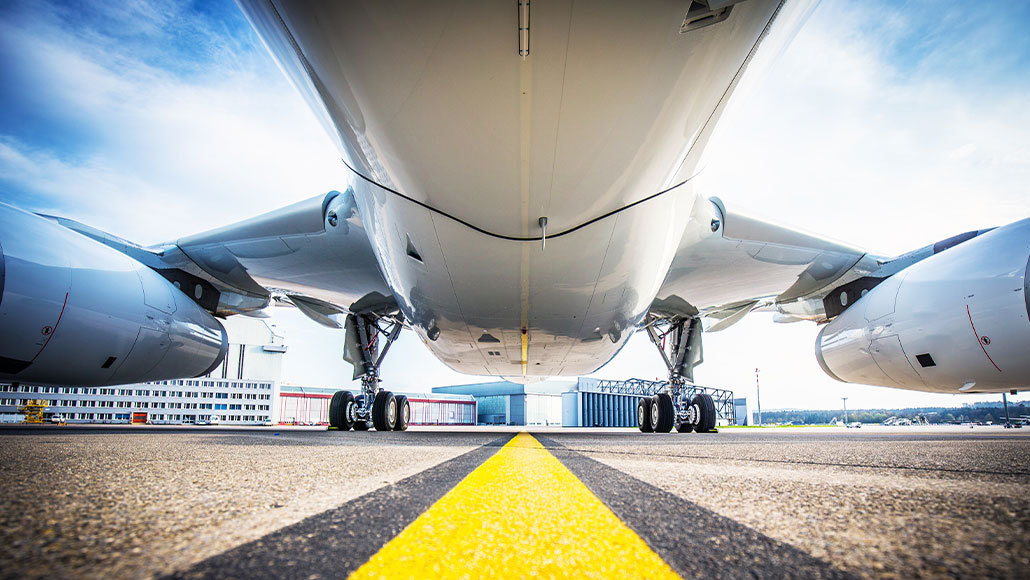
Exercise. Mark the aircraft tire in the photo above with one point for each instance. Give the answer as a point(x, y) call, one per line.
point(684, 427)
point(384, 411)
point(644, 414)
point(706, 413)
point(341, 408)
point(403, 413)
point(663, 413)
point(361, 425)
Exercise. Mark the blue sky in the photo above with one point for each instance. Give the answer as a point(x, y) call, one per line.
point(889, 125)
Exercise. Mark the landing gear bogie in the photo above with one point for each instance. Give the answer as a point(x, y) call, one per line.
point(682, 405)
point(374, 407)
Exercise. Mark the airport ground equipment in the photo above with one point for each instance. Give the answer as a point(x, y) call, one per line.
point(380, 408)
point(680, 404)
point(33, 410)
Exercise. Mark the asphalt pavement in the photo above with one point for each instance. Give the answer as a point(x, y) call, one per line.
point(142, 502)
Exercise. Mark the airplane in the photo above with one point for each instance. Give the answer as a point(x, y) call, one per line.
point(523, 194)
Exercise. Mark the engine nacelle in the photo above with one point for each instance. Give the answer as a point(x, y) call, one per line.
point(956, 322)
point(76, 312)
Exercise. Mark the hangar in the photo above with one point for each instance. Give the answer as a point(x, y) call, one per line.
point(584, 402)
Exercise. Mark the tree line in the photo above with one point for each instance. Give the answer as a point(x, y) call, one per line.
point(980, 412)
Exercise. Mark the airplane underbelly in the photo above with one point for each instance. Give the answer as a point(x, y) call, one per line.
point(461, 140)
point(614, 101)
point(492, 306)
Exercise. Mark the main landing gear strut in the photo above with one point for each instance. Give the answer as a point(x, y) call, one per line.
point(374, 407)
point(679, 342)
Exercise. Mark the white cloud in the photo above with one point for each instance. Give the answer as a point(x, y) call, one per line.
point(169, 155)
point(840, 138)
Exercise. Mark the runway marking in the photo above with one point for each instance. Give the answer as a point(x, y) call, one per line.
point(521, 514)
point(695, 541)
point(336, 542)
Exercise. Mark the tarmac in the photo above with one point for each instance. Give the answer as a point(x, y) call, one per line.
point(272, 502)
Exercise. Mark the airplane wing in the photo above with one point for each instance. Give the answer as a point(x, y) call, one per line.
point(729, 264)
point(314, 255)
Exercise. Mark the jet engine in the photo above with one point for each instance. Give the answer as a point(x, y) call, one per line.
point(76, 312)
point(958, 321)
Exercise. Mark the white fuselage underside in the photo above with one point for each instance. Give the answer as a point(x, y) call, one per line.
point(431, 100)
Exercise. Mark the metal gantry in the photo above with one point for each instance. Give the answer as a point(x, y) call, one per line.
point(645, 388)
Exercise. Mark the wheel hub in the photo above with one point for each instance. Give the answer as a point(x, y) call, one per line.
point(693, 414)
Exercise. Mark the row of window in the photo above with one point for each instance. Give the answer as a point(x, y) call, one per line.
point(209, 383)
point(169, 418)
point(141, 405)
point(130, 391)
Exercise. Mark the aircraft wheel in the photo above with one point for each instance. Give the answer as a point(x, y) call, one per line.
point(705, 413)
point(644, 415)
point(341, 410)
point(403, 413)
point(663, 413)
point(361, 425)
point(684, 427)
point(384, 411)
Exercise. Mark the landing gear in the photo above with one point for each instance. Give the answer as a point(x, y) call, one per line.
point(680, 406)
point(374, 406)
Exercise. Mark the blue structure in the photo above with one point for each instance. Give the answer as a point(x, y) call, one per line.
point(584, 402)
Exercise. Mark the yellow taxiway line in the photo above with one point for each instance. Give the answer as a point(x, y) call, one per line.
point(521, 514)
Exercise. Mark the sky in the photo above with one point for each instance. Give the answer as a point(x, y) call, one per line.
point(888, 125)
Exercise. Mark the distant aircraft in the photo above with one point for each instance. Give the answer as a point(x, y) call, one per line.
point(523, 197)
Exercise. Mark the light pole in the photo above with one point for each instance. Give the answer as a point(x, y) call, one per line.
point(758, 394)
point(845, 399)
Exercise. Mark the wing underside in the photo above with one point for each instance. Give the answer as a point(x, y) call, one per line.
point(314, 255)
point(729, 264)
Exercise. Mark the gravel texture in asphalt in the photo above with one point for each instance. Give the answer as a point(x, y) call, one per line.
point(920, 502)
point(138, 502)
point(87, 502)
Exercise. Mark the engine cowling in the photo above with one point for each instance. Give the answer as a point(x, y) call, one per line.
point(958, 321)
point(74, 311)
